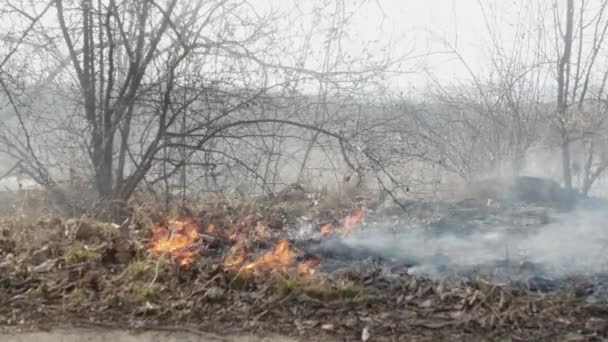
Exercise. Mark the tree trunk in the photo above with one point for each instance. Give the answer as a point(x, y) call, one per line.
point(519, 162)
point(587, 173)
point(566, 169)
point(563, 78)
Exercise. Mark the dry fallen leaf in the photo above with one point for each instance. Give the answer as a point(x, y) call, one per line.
point(426, 304)
point(46, 266)
point(327, 327)
point(365, 335)
point(574, 337)
point(215, 293)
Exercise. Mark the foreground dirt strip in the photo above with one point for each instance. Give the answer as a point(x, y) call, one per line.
point(102, 335)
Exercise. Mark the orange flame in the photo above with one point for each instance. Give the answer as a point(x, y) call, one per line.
point(278, 259)
point(176, 239)
point(235, 259)
point(348, 223)
point(326, 229)
point(351, 220)
point(306, 268)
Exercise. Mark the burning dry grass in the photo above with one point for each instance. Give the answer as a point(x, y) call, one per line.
point(230, 267)
point(187, 239)
point(346, 225)
point(178, 239)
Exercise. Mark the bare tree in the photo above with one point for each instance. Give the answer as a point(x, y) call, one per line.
point(151, 87)
point(540, 71)
point(579, 42)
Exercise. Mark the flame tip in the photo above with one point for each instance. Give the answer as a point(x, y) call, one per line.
point(176, 237)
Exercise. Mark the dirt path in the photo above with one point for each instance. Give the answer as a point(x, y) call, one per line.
point(98, 335)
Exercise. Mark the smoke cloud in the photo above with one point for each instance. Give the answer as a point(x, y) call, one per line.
point(571, 244)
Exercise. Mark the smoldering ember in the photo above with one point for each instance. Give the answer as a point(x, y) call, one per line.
point(303, 170)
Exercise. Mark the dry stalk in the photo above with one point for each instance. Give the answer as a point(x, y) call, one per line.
point(157, 267)
point(271, 305)
point(203, 288)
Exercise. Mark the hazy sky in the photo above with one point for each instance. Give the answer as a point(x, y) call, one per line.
point(419, 27)
point(414, 27)
point(422, 25)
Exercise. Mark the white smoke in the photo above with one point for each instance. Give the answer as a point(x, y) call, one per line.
point(572, 244)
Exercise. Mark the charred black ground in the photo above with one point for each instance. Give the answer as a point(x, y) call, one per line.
point(488, 235)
